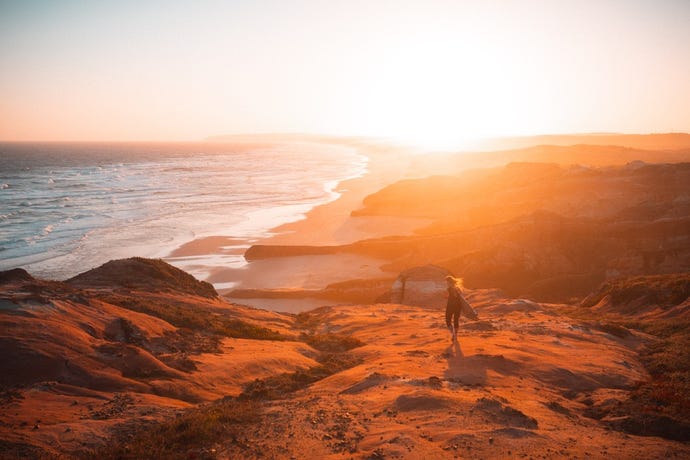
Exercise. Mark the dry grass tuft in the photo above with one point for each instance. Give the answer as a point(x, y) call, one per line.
point(193, 317)
point(331, 343)
point(193, 434)
point(197, 432)
point(662, 290)
point(278, 386)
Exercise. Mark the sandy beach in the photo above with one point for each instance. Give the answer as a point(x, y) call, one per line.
point(325, 225)
point(328, 246)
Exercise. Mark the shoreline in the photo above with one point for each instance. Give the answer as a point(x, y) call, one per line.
point(148, 201)
point(326, 224)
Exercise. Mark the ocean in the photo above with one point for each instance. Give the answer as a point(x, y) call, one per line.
point(68, 207)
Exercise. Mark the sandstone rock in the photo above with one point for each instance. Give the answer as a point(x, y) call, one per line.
point(421, 286)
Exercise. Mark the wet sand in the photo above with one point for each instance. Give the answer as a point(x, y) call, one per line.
point(327, 224)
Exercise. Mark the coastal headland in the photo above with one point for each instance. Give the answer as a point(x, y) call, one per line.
point(575, 257)
point(549, 222)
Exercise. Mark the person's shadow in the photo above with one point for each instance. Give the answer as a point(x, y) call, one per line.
point(470, 370)
point(454, 351)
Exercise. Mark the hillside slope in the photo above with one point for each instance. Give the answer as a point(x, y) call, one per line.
point(524, 381)
point(79, 361)
point(543, 231)
point(84, 373)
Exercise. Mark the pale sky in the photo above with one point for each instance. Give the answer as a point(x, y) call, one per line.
point(428, 71)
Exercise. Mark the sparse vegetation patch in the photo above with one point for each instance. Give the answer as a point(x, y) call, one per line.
point(661, 405)
point(332, 343)
point(192, 434)
point(662, 290)
point(193, 317)
point(278, 386)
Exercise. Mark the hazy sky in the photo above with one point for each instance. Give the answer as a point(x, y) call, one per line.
point(430, 71)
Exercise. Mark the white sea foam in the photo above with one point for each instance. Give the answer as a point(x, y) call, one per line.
point(122, 200)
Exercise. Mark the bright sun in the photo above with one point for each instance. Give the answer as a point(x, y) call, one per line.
point(437, 94)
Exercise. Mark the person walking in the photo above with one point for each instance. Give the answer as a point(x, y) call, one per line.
point(456, 306)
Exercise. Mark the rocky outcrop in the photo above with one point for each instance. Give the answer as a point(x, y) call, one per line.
point(149, 274)
point(542, 231)
point(16, 274)
point(421, 286)
point(365, 291)
point(659, 296)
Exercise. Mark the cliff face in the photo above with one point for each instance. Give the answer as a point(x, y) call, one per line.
point(538, 230)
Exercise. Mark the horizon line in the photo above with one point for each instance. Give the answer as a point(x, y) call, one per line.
point(219, 137)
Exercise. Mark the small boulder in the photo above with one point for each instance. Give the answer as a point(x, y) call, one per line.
point(15, 275)
point(421, 286)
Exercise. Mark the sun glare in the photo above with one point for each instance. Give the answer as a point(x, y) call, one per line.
point(443, 94)
point(436, 74)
